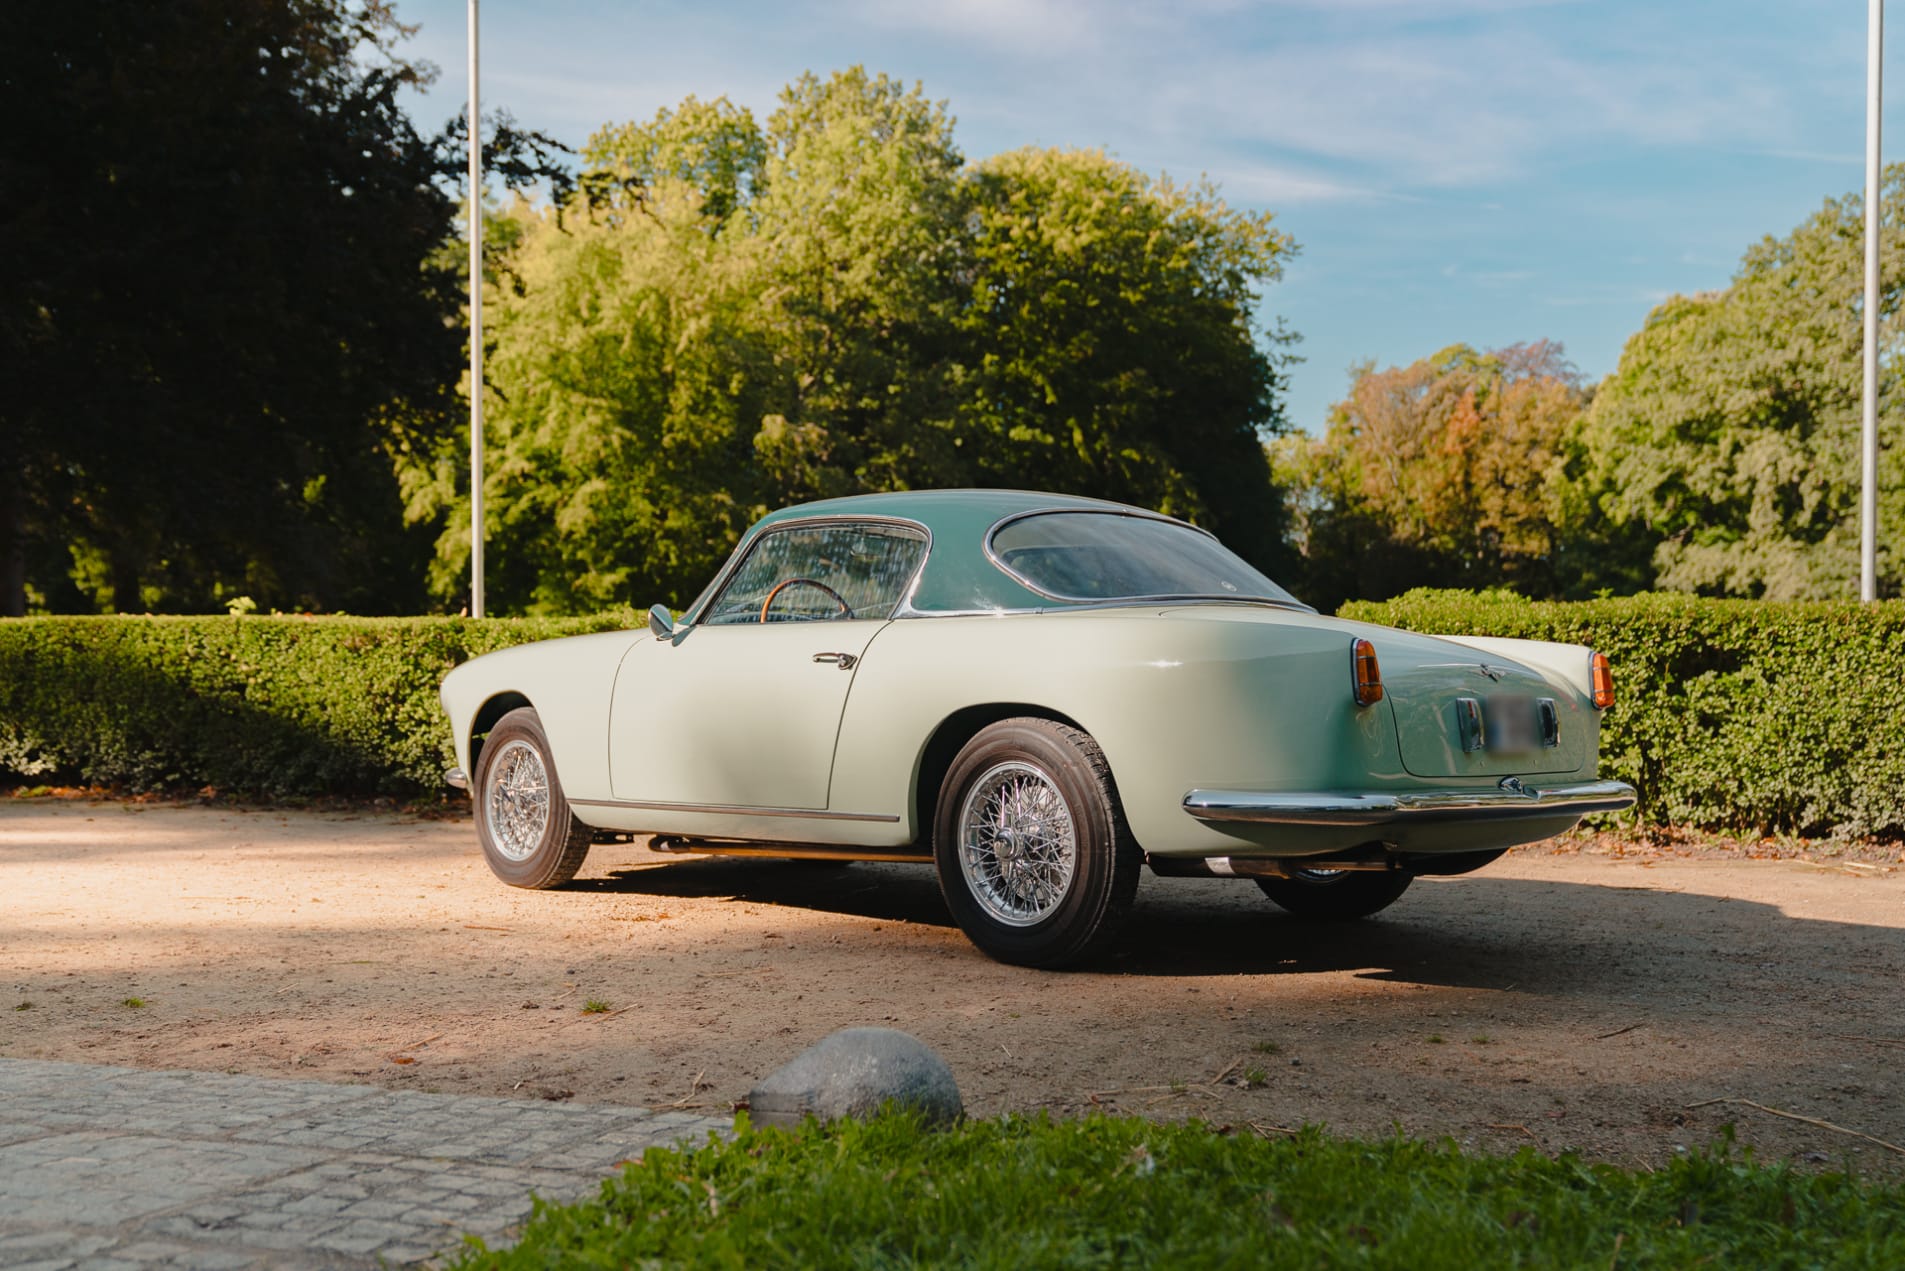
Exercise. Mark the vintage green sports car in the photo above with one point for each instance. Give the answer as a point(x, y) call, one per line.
point(1037, 695)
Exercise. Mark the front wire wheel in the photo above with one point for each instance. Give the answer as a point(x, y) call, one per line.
point(529, 835)
point(517, 800)
point(1034, 857)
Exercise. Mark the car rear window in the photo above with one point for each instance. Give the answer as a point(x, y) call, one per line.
point(1096, 556)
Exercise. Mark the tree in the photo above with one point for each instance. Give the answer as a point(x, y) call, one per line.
point(1108, 341)
point(218, 304)
point(1729, 433)
point(623, 381)
point(854, 256)
point(620, 415)
point(1443, 472)
point(711, 153)
point(728, 317)
point(215, 230)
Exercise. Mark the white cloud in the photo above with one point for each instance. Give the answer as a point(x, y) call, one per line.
point(1383, 94)
point(1283, 102)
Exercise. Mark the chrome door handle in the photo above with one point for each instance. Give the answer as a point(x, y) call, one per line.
point(844, 661)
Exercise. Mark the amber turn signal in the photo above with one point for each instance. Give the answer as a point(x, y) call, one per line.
point(1603, 680)
point(1367, 675)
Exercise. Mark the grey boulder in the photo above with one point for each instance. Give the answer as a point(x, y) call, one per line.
point(853, 1073)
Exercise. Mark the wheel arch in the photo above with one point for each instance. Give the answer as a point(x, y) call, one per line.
point(949, 738)
point(487, 716)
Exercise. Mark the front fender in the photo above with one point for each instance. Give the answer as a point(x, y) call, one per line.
point(569, 682)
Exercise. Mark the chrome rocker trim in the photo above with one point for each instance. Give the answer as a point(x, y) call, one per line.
point(734, 809)
point(1511, 801)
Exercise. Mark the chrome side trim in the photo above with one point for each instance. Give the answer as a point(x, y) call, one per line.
point(1099, 606)
point(456, 777)
point(808, 814)
point(678, 845)
point(1510, 801)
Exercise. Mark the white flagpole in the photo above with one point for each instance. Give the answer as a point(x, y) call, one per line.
point(476, 335)
point(1869, 475)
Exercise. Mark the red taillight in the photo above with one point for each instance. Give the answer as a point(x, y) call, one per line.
point(1602, 677)
point(1367, 675)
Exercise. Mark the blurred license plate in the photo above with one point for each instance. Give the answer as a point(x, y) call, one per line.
point(1511, 724)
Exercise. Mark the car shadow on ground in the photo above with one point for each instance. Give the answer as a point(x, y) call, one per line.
point(885, 893)
point(1562, 938)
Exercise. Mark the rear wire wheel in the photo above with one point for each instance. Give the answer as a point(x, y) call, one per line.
point(529, 835)
point(1034, 857)
point(1337, 894)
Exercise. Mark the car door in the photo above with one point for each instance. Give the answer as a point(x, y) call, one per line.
point(741, 709)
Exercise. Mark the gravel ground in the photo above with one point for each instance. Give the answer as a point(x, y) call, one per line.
point(1582, 996)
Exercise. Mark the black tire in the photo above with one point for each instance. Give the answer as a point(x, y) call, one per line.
point(1337, 895)
point(553, 857)
point(1051, 763)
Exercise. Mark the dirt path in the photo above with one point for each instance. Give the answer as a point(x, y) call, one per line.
point(1560, 1000)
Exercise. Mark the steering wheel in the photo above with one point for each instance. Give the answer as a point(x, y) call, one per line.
point(846, 610)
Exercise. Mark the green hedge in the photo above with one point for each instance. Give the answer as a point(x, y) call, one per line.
point(251, 705)
point(1737, 715)
point(1733, 715)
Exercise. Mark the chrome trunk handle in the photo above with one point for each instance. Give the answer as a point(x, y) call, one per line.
point(844, 661)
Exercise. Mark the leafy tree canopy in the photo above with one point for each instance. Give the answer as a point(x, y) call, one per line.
point(729, 316)
point(1109, 341)
point(215, 226)
point(1729, 433)
point(222, 302)
point(1444, 472)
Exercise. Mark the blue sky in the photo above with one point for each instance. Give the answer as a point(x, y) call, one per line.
point(1484, 171)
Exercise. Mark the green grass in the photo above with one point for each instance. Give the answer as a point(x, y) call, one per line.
point(136, 1003)
point(1110, 1192)
point(595, 1006)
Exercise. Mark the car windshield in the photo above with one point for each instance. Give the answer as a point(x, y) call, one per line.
point(1097, 556)
point(807, 573)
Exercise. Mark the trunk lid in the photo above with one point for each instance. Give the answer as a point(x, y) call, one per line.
point(1463, 713)
point(1427, 680)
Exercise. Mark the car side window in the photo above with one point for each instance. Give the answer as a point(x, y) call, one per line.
point(812, 573)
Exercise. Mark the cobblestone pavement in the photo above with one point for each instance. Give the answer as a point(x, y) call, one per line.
point(113, 1168)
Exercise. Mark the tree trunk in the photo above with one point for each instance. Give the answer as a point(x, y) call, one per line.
point(125, 582)
point(12, 546)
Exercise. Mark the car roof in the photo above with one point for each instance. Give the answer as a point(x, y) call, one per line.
point(931, 506)
point(958, 577)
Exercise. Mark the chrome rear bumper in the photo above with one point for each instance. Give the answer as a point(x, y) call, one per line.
point(1510, 801)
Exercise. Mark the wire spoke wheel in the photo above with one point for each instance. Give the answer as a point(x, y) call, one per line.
point(530, 836)
point(1018, 848)
point(517, 799)
point(1034, 857)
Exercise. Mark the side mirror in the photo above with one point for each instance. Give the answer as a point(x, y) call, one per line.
point(661, 622)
